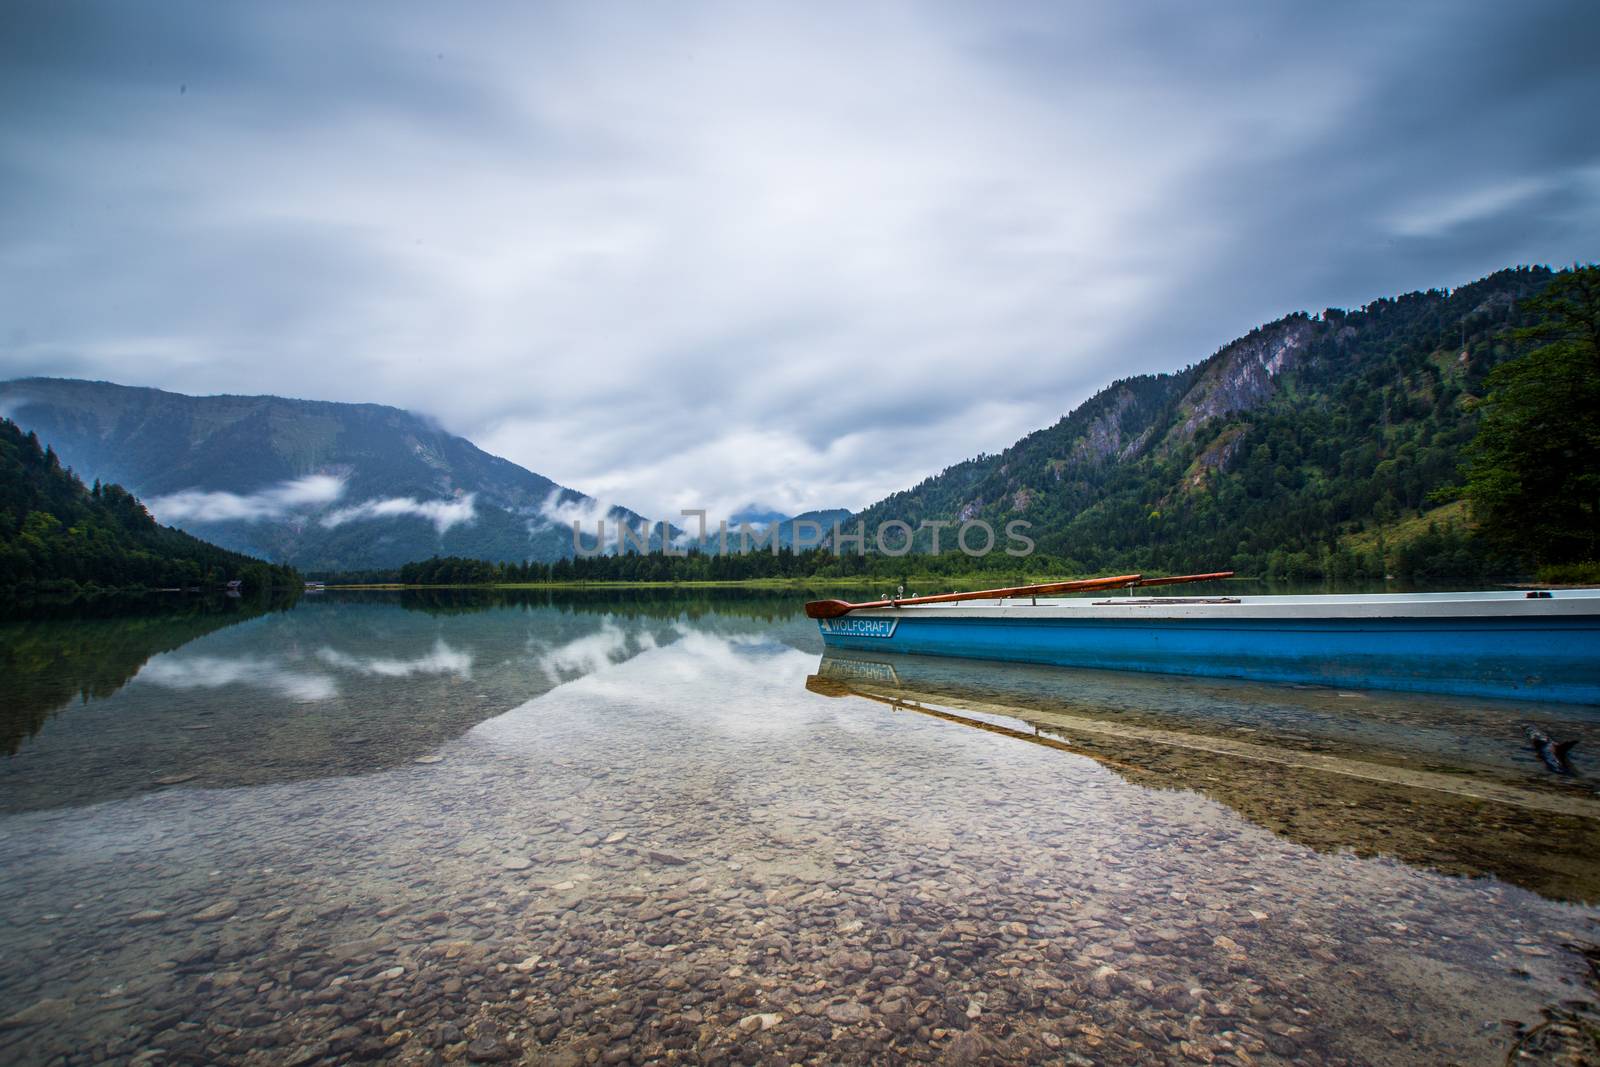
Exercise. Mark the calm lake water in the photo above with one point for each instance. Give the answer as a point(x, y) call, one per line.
point(632, 829)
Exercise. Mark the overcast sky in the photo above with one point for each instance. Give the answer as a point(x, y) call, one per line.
point(805, 254)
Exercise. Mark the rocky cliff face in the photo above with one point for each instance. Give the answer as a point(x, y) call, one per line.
point(1063, 462)
point(1244, 375)
point(1113, 435)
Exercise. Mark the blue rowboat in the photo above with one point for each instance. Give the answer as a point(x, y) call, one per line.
point(1543, 646)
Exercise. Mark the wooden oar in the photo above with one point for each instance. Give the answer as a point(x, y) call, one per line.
point(832, 609)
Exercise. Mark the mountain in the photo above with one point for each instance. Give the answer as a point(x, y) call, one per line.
point(825, 519)
point(1290, 451)
point(325, 486)
point(761, 518)
point(56, 533)
point(756, 515)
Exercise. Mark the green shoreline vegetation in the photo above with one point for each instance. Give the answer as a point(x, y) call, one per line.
point(59, 537)
point(785, 569)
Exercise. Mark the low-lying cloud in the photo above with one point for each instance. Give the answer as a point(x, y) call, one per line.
point(589, 513)
point(558, 510)
point(300, 494)
point(442, 513)
point(306, 496)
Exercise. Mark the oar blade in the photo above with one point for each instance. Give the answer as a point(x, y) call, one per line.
point(827, 609)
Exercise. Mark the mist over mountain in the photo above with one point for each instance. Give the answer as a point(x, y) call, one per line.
point(318, 484)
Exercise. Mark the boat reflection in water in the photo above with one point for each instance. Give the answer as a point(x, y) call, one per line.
point(1445, 783)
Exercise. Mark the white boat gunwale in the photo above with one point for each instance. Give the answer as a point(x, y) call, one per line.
point(1509, 604)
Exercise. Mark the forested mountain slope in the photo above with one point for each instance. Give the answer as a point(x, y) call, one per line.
point(56, 533)
point(1287, 452)
point(321, 485)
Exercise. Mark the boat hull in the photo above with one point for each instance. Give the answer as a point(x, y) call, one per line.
point(1528, 658)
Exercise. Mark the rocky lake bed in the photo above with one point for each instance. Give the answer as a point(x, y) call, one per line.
point(645, 838)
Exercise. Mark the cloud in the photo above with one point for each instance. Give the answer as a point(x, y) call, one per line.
point(588, 513)
point(1438, 214)
point(194, 505)
point(442, 513)
point(695, 256)
point(562, 512)
point(306, 494)
point(214, 672)
point(442, 660)
point(558, 509)
point(11, 403)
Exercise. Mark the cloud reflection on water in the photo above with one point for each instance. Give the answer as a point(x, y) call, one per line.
point(589, 653)
point(172, 671)
point(738, 685)
point(442, 660)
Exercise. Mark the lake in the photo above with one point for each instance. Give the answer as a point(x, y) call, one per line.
point(654, 827)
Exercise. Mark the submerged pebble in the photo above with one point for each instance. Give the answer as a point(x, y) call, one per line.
point(711, 864)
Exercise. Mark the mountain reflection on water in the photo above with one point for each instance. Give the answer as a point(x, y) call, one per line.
point(245, 695)
point(648, 829)
point(52, 654)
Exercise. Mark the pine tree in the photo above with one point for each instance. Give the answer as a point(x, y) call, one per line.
point(1534, 480)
